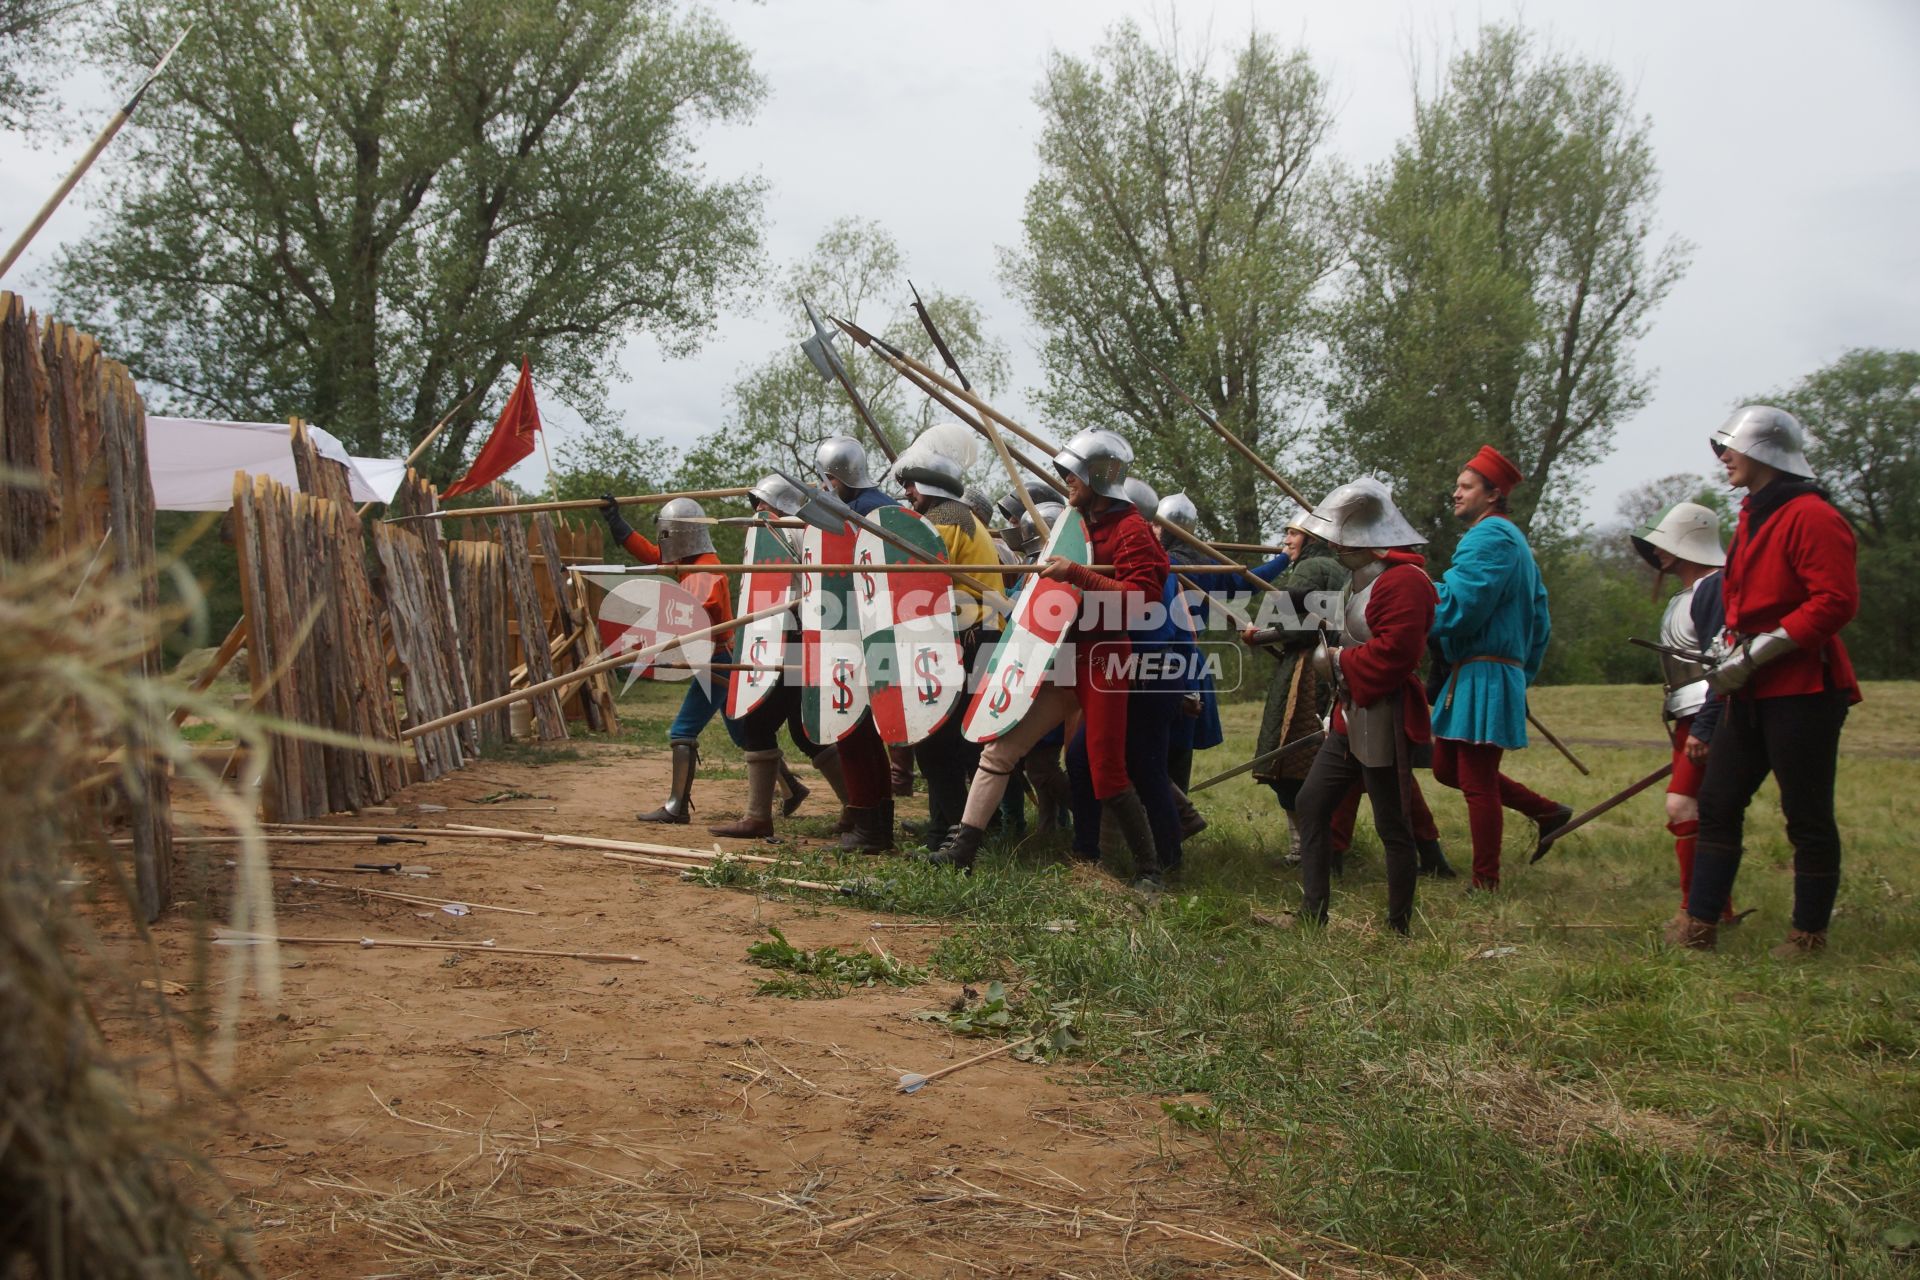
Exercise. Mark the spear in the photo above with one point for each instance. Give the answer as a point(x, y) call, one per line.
point(1300, 743)
point(826, 361)
point(568, 504)
point(61, 192)
point(1578, 821)
point(1259, 463)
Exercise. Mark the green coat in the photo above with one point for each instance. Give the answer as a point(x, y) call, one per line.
point(1318, 572)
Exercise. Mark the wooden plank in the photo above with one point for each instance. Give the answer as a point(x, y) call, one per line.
point(548, 722)
point(25, 447)
point(570, 617)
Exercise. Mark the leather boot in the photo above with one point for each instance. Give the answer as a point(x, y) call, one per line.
point(679, 806)
point(872, 830)
point(1560, 817)
point(1291, 857)
point(1191, 822)
point(1800, 943)
point(1052, 796)
point(900, 771)
point(1136, 832)
point(1693, 935)
point(961, 848)
point(763, 774)
point(1433, 860)
point(828, 763)
point(793, 792)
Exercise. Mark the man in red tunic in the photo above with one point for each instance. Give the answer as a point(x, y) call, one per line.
point(1789, 587)
point(1380, 713)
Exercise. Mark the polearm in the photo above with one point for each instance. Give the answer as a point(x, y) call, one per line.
point(568, 504)
point(983, 426)
point(826, 362)
point(1259, 463)
point(1559, 746)
point(1580, 820)
point(929, 566)
point(629, 658)
point(61, 192)
point(902, 362)
point(1301, 743)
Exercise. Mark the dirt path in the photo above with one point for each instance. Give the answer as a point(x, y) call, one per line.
point(415, 1113)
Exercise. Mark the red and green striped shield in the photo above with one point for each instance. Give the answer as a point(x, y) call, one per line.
point(761, 643)
point(1041, 619)
point(914, 670)
point(833, 658)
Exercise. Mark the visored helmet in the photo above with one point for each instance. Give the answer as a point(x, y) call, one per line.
point(1142, 496)
point(1011, 508)
point(1360, 513)
point(1100, 459)
point(678, 536)
point(778, 492)
point(1178, 508)
point(935, 475)
point(1768, 435)
point(844, 459)
point(1685, 530)
point(1026, 538)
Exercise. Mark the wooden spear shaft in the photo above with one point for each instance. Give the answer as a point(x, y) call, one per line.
point(956, 570)
point(1238, 446)
point(581, 673)
point(569, 504)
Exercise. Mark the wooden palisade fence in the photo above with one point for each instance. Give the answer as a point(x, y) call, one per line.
point(73, 439)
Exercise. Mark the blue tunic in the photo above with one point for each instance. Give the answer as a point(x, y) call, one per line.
point(1492, 604)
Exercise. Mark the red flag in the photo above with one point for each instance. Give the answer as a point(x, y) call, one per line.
point(512, 439)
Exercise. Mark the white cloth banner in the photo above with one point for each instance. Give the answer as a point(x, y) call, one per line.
point(192, 462)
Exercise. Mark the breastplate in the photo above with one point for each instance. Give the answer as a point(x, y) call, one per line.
point(1372, 730)
point(1686, 682)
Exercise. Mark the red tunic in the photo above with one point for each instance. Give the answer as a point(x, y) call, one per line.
point(1795, 572)
point(718, 603)
point(1120, 536)
point(1399, 614)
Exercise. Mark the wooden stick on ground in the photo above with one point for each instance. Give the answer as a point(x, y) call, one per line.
point(684, 869)
point(234, 937)
point(413, 898)
point(620, 846)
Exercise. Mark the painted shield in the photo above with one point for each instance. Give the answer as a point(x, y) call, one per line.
point(762, 643)
point(833, 660)
point(914, 670)
point(1041, 619)
point(640, 612)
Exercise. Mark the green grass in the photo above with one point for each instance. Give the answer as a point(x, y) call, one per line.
point(1503, 1093)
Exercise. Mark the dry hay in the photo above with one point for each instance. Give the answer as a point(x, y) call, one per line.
point(528, 1203)
point(1548, 1113)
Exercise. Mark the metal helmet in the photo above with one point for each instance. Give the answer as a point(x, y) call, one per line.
point(1178, 508)
point(1768, 435)
point(1142, 496)
point(844, 459)
point(1026, 538)
point(1360, 513)
point(1685, 530)
point(678, 536)
point(977, 503)
point(1100, 459)
point(1011, 508)
point(935, 475)
point(778, 492)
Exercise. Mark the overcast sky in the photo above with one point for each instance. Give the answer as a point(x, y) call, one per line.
point(1788, 138)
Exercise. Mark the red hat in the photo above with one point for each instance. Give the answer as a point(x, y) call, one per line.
point(1495, 469)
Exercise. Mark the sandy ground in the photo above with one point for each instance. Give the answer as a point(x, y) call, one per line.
point(413, 1112)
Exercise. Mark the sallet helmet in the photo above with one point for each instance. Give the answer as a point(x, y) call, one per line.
point(1360, 513)
point(1768, 435)
point(844, 459)
point(1178, 508)
point(1026, 538)
point(1685, 530)
point(678, 536)
point(778, 492)
point(935, 475)
point(1011, 508)
point(1142, 496)
point(1100, 460)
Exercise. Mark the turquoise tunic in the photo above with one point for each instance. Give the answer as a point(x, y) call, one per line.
point(1492, 604)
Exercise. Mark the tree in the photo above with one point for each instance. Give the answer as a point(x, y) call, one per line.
point(27, 34)
point(1862, 413)
point(782, 408)
point(1503, 268)
point(1645, 501)
point(360, 213)
point(1180, 215)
